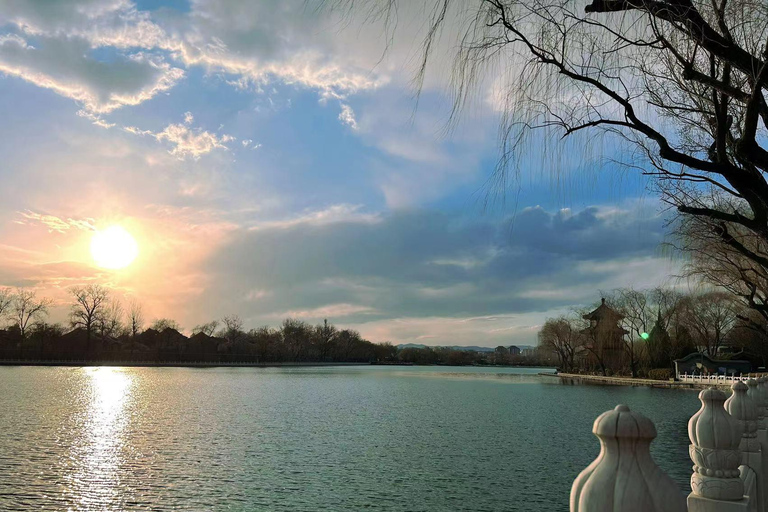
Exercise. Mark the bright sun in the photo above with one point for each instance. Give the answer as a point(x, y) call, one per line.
point(113, 248)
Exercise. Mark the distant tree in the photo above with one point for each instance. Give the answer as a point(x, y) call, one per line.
point(562, 337)
point(135, 318)
point(682, 343)
point(641, 310)
point(267, 343)
point(347, 341)
point(326, 337)
point(26, 307)
point(110, 320)
point(208, 329)
point(709, 317)
point(90, 302)
point(233, 328)
point(297, 335)
point(659, 346)
point(385, 351)
point(162, 324)
point(6, 301)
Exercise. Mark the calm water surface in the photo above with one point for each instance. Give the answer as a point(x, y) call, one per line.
point(309, 439)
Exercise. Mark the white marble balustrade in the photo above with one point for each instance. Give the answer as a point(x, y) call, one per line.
point(729, 450)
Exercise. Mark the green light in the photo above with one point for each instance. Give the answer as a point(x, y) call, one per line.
point(645, 336)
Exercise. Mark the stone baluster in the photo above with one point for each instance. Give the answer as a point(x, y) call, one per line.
point(754, 392)
point(741, 406)
point(624, 476)
point(715, 437)
point(743, 409)
point(762, 385)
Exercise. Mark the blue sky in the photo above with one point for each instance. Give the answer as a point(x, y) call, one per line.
point(270, 162)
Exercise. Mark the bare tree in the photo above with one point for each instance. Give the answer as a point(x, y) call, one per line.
point(563, 338)
point(162, 324)
point(110, 319)
point(641, 311)
point(679, 85)
point(90, 302)
point(709, 317)
point(326, 337)
point(209, 329)
point(6, 301)
point(233, 328)
point(26, 307)
point(135, 318)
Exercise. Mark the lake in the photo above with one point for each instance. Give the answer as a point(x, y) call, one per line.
point(310, 438)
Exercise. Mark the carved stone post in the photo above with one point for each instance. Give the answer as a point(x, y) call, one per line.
point(754, 392)
point(741, 406)
point(624, 477)
point(715, 437)
point(762, 386)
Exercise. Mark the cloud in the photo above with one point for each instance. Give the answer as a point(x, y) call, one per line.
point(334, 214)
point(186, 140)
point(347, 116)
point(329, 311)
point(54, 223)
point(67, 66)
point(422, 264)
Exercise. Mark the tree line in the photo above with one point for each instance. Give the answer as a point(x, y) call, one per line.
point(658, 326)
point(102, 328)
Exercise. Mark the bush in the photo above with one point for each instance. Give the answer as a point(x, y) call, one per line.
point(660, 374)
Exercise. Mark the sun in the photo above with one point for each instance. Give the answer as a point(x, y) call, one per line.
point(113, 248)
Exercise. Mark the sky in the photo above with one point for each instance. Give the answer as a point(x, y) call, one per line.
point(271, 160)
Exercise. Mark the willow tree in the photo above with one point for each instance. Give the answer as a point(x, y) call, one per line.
point(679, 84)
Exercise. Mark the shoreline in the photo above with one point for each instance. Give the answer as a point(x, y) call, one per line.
point(575, 378)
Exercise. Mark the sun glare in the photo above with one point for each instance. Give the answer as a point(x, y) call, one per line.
point(113, 248)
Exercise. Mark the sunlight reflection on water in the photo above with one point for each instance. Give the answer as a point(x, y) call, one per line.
point(309, 439)
point(95, 478)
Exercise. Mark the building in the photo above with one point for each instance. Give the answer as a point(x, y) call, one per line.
point(605, 338)
point(514, 350)
point(699, 363)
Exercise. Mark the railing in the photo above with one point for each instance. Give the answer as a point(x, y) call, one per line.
point(714, 379)
point(729, 450)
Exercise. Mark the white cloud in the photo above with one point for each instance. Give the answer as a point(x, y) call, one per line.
point(66, 66)
point(347, 116)
point(54, 223)
point(333, 214)
point(186, 141)
point(329, 311)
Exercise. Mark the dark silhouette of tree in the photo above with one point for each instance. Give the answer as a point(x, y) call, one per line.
point(233, 329)
point(6, 301)
point(208, 329)
point(110, 320)
point(296, 337)
point(26, 307)
point(162, 324)
point(326, 338)
point(563, 337)
point(90, 302)
point(709, 317)
point(135, 318)
point(659, 345)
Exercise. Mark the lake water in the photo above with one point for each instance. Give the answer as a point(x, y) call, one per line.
point(309, 439)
